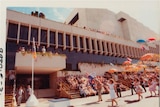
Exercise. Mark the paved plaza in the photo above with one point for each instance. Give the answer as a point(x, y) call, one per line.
point(127, 100)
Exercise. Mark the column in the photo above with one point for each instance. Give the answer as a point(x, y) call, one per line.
point(113, 49)
point(48, 37)
point(84, 44)
point(100, 46)
point(39, 36)
point(118, 49)
point(71, 42)
point(78, 43)
point(29, 34)
point(110, 48)
point(64, 40)
point(90, 45)
point(125, 51)
point(18, 32)
point(105, 48)
point(56, 39)
point(121, 50)
point(95, 44)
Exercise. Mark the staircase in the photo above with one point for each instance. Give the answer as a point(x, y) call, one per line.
point(67, 92)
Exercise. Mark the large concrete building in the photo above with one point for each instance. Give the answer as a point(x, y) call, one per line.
point(120, 25)
point(93, 36)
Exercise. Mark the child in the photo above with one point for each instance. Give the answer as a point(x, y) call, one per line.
point(112, 93)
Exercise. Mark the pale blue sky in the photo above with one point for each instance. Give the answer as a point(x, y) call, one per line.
point(56, 14)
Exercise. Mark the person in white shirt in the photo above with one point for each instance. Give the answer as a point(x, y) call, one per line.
point(20, 94)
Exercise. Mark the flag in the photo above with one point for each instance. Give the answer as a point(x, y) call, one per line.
point(111, 64)
point(129, 59)
point(34, 50)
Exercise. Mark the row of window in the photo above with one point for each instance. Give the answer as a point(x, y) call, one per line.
point(22, 33)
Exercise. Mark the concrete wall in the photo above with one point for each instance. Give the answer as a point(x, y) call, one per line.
point(107, 21)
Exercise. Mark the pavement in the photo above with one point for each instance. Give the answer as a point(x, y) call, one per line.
point(127, 100)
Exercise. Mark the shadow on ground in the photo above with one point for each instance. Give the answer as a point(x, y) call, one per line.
point(91, 103)
point(131, 101)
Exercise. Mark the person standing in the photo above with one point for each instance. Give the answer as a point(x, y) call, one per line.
point(142, 82)
point(132, 87)
point(99, 89)
point(29, 91)
point(118, 90)
point(20, 94)
point(138, 88)
point(112, 92)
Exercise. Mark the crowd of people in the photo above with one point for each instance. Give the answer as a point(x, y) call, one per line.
point(115, 83)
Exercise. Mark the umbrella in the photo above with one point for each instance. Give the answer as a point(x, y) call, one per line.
point(150, 57)
point(141, 41)
point(131, 68)
point(151, 39)
point(135, 67)
point(112, 70)
point(127, 63)
point(147, 57)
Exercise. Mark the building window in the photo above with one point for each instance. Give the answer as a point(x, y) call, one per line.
point(43, 37)
point(81, 42)
point(93, 46)
point(87, 43)
point(52, 38)
point(74, 41)
point(34, 33)
point(24, 32)
point(12, 30)
point(74, 20)
point(98, 46)
point(67, 40)
point(60, 39)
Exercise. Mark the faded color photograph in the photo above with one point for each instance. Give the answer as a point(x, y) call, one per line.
point(82, 57)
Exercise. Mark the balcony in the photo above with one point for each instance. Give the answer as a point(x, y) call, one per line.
point(43, 64)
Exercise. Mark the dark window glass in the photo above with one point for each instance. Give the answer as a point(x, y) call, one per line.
point(40, 81)
point(24, 32)
point(112, 47)
point(98, 46)
point(87, 43)
point(93, 47)
point(107, 46)
point(52, 37)
point(34, 33)
point(81, 42)
point(67, 40)
point(44, 36)
point(60, 39)
point(103, 45)
point(12, 30)
point(74, 41)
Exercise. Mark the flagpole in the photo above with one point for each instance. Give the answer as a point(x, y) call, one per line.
point(32, 100)
point(32, 75)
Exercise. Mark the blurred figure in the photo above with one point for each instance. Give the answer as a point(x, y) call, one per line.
point(20, 94)
point(99, 89)
point(112, 92)
point(138, 88)
point(29, 91)
point(118, 90)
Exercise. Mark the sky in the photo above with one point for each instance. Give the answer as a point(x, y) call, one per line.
point(144, 11)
